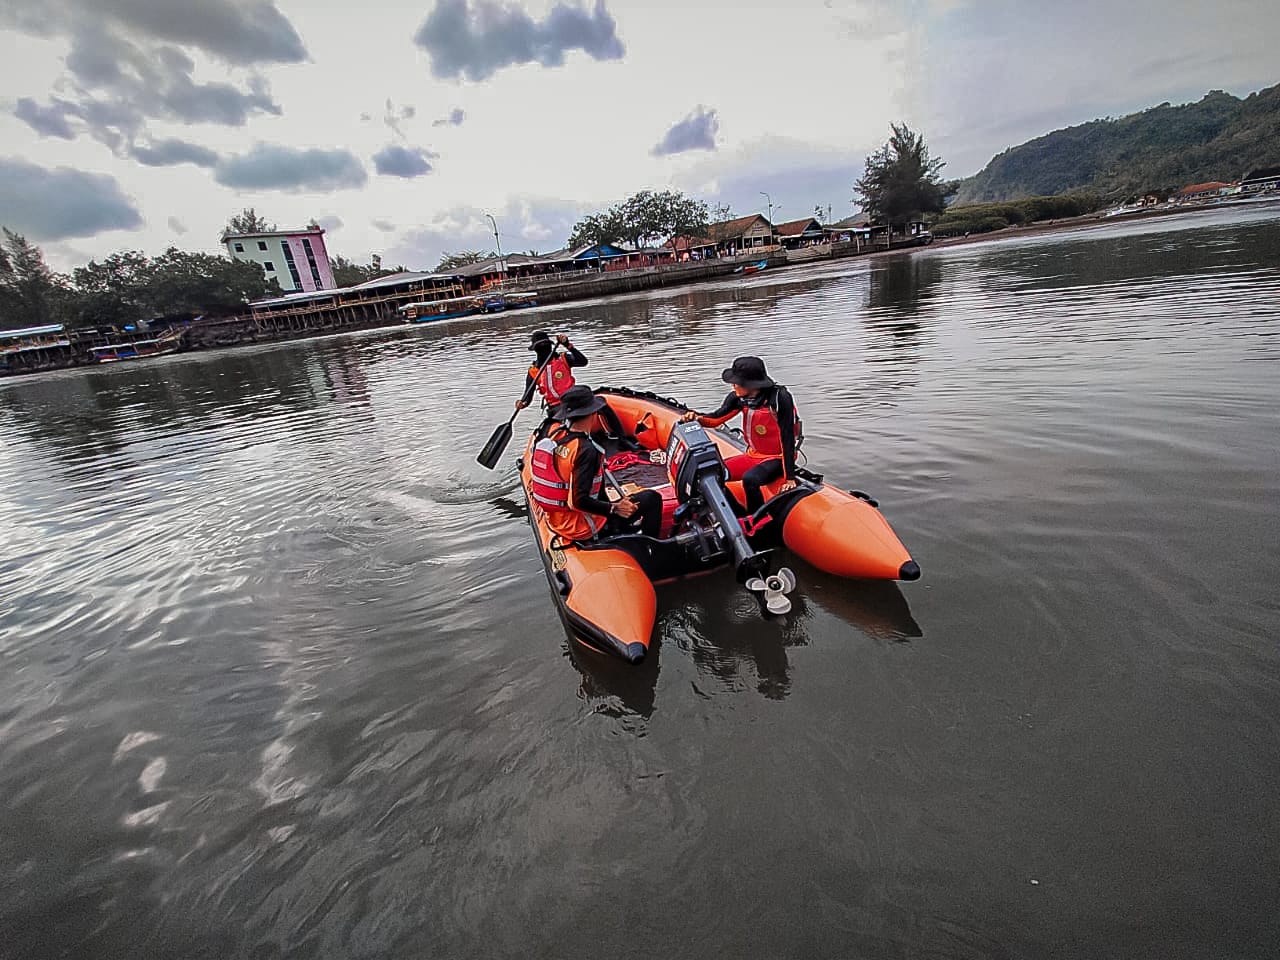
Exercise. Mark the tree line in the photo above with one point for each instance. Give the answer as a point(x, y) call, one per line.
point(642, 219)
point(961, 219)
point(900, 182)
point(122, 288)
point(129, 286)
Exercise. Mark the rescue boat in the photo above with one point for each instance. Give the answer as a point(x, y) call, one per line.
point(605, 589)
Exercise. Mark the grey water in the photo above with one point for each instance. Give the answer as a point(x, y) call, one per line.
point(280, 672)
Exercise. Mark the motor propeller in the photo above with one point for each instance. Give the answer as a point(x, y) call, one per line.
point(775, 588)
point(698, 473)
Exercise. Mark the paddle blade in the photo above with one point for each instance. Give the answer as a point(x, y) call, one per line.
point(493, 449)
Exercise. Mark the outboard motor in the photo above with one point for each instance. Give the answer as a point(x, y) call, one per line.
point(698, 473)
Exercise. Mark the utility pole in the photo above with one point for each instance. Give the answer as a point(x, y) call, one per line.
point(502, 267)
point(769, 200)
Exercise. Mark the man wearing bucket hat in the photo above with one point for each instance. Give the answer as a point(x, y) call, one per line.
point(551, 373)
point(769, 424)
point(568, 473)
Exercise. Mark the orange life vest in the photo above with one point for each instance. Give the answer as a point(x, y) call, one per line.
point(763, 435)
point(554, 380)
point(551, 485)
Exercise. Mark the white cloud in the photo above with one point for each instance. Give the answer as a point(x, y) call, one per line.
point(476, 38)
point(48, 204)
point(697, 131)
point(395, 160)
point(246, 32)
point(802, 92)
point(276, 167)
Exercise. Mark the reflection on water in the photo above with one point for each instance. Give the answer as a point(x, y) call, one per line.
point(903, 286)
point(615, 688)
point(283, 675)
point(730, 641)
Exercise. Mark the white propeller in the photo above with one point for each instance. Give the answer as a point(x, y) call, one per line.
point(775, 588)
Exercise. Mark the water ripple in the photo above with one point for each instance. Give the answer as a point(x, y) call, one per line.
point(281, 674)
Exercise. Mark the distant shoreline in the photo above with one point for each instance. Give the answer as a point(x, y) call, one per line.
point(1093, 219)
point(628, 285)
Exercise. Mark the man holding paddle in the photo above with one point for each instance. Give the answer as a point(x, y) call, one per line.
point(551, 373)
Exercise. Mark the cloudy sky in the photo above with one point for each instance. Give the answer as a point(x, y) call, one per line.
point(136, 124)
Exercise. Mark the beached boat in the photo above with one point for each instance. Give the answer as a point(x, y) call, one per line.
point(428, 310)
point(499, 302)
point(749, 268)
point(29, 339)
point(604, 589)
point(137, 349)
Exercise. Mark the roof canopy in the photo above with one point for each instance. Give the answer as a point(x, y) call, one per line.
point(31, 331)
point(797, 228)
point(305, 231)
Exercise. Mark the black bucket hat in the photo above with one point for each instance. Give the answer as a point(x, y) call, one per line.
point(538, 339)
point(748, 372)
point(578, 401)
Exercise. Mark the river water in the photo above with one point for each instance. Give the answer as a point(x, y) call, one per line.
point(280, 673)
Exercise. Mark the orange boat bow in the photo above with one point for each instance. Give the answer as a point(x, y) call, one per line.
point(847, 537)
point(611, 603)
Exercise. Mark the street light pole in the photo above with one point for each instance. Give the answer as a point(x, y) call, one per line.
point(769, 200)
point(501, 266)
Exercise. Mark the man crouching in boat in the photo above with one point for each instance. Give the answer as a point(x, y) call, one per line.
point(550, 375)
point(769, 424)
point(568, 471)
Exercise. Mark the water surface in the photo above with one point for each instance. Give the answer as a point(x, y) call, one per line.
point(280, 673)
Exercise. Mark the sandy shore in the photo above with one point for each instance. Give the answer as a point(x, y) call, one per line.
point(1092, 220)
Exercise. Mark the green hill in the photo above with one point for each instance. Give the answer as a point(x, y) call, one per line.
point(1163, 148)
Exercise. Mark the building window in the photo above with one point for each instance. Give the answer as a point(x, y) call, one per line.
point(269, 267)
point(262, 244)
point(293, 267)
point(239, 248)
point(311, 262)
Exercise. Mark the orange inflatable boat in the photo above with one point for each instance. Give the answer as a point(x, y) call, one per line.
point(604, 588)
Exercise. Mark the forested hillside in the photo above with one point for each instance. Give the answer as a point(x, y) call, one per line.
point(1163, 148)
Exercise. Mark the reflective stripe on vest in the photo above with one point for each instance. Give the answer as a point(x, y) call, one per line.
point(545, 484)
point(551, 484)
point(554, 380)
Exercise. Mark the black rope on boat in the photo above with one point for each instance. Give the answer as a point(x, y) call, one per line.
point(644, 395)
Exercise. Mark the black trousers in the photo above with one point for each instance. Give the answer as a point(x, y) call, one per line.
point(755, 478)
point(648, 517)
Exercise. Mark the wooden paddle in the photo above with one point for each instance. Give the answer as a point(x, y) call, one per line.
point(492, 450)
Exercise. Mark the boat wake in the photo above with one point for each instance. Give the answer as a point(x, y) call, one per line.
point(461, 488)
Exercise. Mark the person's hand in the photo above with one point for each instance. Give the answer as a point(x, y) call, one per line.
point(688, 417)
point(625, 508)
point(562, 339)
point(787, 485)
point(521, 404)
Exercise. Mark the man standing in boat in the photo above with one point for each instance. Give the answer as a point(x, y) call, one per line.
point(568, 474)
point(552, 379)
point(769, 424)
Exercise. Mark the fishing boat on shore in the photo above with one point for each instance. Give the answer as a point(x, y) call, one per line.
point(749, 268)
point(428, 310)
point(500, 302)
point(137, 349)
point(604, 589)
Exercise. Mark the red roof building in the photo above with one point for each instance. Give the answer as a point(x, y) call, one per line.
point(1197, 190)
point(798, 233)
point(727, 237)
